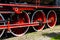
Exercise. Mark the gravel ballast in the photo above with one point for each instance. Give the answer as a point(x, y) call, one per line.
point(45, 34)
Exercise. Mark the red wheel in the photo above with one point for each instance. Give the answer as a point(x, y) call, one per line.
point(23, 18)
point(39, 16)
point(52, 17)
point(2, 30)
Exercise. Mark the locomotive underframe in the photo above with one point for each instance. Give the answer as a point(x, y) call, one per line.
point(9, 10)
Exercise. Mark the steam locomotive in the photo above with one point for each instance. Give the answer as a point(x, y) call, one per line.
point(18, 15)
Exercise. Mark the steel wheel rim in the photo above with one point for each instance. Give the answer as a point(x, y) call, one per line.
point(52, 19)
point(44, 20)
point(26, 29)
point(4, 24)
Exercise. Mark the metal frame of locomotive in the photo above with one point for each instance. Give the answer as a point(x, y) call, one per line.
point(18, 22)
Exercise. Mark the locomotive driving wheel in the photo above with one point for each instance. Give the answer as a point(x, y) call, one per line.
point(39, 16)
point(2, 23)
point(22, 18)
point(52, 17)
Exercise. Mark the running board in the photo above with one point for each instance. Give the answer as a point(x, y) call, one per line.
point(5, 12)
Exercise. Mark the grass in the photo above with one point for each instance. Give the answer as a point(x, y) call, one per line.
point(56, 37)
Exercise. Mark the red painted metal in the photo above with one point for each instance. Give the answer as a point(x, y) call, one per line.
point(51, 17)
point(28, 5)
point(39, 16)
point(20, 26)
point(20, 9)
point(20, 30)
point(9, 26)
